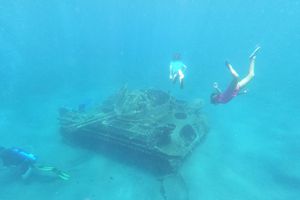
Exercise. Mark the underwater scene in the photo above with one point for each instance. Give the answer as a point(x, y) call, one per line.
point(149, 100)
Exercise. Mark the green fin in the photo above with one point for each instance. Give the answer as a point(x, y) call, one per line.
point(64, 175)
point(61, 174)
point(44, 168)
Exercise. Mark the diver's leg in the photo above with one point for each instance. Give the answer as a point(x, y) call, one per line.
point(181, 84)
point(26, 170)
point(175, 77)
point(181, 77)
point(27, 174)
point(250, 74)
point(232, 71)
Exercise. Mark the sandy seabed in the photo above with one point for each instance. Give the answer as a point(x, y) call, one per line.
point(232, 164)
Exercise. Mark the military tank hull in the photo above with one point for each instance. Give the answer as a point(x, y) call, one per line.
point(150, 122)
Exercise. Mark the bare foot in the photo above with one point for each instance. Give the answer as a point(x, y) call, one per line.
point(227, 62)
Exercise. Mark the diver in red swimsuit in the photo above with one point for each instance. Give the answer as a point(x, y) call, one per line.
point(236, 86)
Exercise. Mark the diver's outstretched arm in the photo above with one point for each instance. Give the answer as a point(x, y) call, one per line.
point(216, 87)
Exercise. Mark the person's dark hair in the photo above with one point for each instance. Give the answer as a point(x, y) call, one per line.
point(213, 97)
point(176, 56)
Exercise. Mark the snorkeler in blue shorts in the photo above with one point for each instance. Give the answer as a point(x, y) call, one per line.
point(24, 162)
point(177, 69)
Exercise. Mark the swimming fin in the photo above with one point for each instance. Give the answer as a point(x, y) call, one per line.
point(44, 168)
point(253, 54)
point(61, 174)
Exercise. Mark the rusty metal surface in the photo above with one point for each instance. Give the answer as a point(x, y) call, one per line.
point(148, 121)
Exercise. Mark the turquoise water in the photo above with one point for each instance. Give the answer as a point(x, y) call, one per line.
point(62, 52)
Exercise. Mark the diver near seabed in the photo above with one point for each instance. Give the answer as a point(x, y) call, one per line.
point(24, 163)
point(177, 69)
point(236, 87)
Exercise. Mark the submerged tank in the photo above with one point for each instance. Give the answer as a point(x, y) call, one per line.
point(150, 122)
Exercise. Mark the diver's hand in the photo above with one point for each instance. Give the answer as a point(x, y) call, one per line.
point(215, 85)
point(243, 92)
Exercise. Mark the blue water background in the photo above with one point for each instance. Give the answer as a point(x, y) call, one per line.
point(62, 52)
